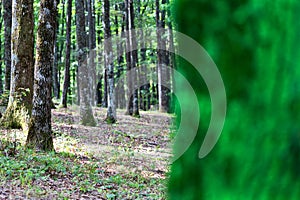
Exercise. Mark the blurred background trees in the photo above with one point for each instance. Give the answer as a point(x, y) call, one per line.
point(255, 46)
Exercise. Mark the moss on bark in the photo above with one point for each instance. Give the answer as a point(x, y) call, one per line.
point(17, 114)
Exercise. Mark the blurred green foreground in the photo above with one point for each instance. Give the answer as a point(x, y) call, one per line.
point(256, 46)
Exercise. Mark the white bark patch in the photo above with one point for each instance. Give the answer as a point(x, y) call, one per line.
point(39, 76)
point(14, 17)
point(14, 58)
point(48, 25)
point(46, 11)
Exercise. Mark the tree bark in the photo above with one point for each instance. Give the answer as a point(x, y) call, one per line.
point(7, 16)
point(40, 134)
point(57, 54)
point(92, 50)
point(162, 60)
point(1, 83)
point(129, 107)
point(21, 88)
point(134, 62)
point(86, 114)
point(108, 58)
point(68, 50)
point(145, 85)
point(120, 93)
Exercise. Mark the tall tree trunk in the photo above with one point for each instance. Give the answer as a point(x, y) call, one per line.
point(129, 107)
point(68, 50)
point(7, 16)
point(108, 58)
point(99, 60)
point(172, 62)
point(57, 55)
point(105, 85)
point(145, 85)
point(40, 134)
point(120, 93)
point(21, 89)
point(162, 60)
point(1, 24)
point(86, 114)
point(134, 61)
point(92, 50)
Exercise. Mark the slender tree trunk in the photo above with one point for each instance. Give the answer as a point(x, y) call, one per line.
point(7, 16)
point(172, 62)
point(134, 61)
point(145, 85)
point(1, 83)
point(162, 60)
point(100, 64)
point(129, 107)
point(57, 56)
point(20, 100)
point(99, 90)
point(92, 50)
point(86, 114)
point(108, 58)
point(120, 93)
point(1, 24)
point(121, 69)
point(68, 50)
point(40, 134)
point(105, 85)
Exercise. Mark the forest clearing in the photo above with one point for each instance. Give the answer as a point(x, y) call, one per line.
point(126, 160)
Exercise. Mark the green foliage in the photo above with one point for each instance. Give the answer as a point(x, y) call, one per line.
point(254, 44)
point(29, 167)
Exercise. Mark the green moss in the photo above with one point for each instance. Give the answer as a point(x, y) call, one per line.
point(110, 120)
point(16, 116)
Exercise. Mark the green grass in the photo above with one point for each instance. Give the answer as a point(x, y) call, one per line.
point(34, 171)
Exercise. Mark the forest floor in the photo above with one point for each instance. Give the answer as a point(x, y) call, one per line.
point(126, 160)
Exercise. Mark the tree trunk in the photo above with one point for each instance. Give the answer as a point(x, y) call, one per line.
point(100, 64)
point(68, 50)
point(21, 89)
point(92, 50)
point(40, 134)
point(7, 16)
point(129, 107)
point(1, 83)
point(144, 83)
point(105, 86)
point(57, 54)
point(86, 114)
point(108, 58)
point(172, 62)
point(134, 61)
point(120, 93)
point(162, 60)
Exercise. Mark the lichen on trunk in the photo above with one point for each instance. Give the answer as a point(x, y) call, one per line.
point(40, 133)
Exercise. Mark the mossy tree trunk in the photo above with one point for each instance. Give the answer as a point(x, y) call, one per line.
point(20, 100)
point(39, 134)
point(86, 114)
